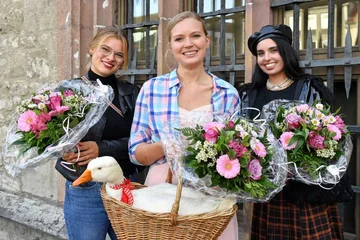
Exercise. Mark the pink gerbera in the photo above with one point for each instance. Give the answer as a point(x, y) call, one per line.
point(336, 130)
point(26, 119)
point(258, 147)
point(285, 139)
point(226, 167)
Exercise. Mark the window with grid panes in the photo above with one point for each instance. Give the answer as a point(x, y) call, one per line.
point(225, 23)
point(314, 17)
point(140, 20)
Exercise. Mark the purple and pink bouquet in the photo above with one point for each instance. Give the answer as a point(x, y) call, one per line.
point(317, 141)
point(52, 121)
point(239, 157)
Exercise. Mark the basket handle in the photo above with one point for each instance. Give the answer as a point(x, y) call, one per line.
point(176, 204)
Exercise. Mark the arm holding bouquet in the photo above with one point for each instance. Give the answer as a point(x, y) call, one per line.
point(278, 75)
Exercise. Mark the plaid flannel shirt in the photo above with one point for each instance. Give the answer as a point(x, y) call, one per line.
point(157, 106)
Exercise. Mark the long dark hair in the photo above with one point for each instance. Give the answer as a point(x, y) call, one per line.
point(292, 70)
point(291, 64)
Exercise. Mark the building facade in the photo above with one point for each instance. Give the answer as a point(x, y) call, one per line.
point(45, 41)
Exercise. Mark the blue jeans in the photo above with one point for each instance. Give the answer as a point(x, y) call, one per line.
point(85, 215)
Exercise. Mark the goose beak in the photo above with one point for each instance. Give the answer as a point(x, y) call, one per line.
point(84, 178)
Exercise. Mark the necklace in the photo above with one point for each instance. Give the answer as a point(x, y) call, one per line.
point(277, 87)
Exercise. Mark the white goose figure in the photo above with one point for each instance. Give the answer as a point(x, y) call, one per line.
point(158, 198)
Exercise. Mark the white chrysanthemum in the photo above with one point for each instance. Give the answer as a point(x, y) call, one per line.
point(332, 119)
point(315, 121)
point(239, 128)
point(254, 142)
point(326, 121)
point(319, 106)
point(320, 115)
point(243, 134)
point(254, 134)
point(41, 106)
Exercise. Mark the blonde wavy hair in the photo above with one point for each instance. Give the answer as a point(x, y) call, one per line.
point(102, 35)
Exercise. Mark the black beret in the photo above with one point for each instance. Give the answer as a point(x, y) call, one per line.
point(280, 31)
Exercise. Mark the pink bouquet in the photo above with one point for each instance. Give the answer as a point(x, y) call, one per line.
point(317, 141)
point(51, 122)
point(231, 158)
point(44, 118)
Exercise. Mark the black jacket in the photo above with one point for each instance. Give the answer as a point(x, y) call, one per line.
point(305, 91)
point(117, 148)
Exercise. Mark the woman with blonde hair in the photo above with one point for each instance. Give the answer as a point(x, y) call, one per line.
point(177, 97)
point(85, 215)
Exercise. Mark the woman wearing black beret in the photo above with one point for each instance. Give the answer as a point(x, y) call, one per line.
point(300, 211)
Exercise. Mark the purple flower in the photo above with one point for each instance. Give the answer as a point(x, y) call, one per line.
point(316, 141)
point(255, 169)
point(293, 120)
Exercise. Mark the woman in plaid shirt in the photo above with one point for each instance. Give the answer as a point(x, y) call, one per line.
point(187, 89)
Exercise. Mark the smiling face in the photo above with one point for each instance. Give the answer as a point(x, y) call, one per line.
point(188, 43)
point(107, 58)
point(269, 59)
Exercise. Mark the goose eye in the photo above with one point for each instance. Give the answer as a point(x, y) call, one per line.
point(99, 168)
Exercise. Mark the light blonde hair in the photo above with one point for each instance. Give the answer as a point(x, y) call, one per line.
point(182, 16)
point(105, 33)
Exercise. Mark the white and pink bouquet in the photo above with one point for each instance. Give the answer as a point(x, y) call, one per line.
point(52, 121)
point(317, 141)
point(231, 158)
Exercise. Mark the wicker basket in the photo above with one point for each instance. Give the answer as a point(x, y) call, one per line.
point(134, 224)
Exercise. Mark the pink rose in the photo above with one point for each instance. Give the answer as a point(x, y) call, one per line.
point(293, 120)
point(302, 108)
point(211, 135)
point(255, 169)
point(231, 124)
point(316, 141)
point(55, 101)
point(214, 125)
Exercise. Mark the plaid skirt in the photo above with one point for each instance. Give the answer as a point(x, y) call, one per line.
point(280, 219)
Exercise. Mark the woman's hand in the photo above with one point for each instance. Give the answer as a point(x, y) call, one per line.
point(88, 151)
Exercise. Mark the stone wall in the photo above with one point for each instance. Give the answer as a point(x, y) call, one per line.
point(29, 204)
